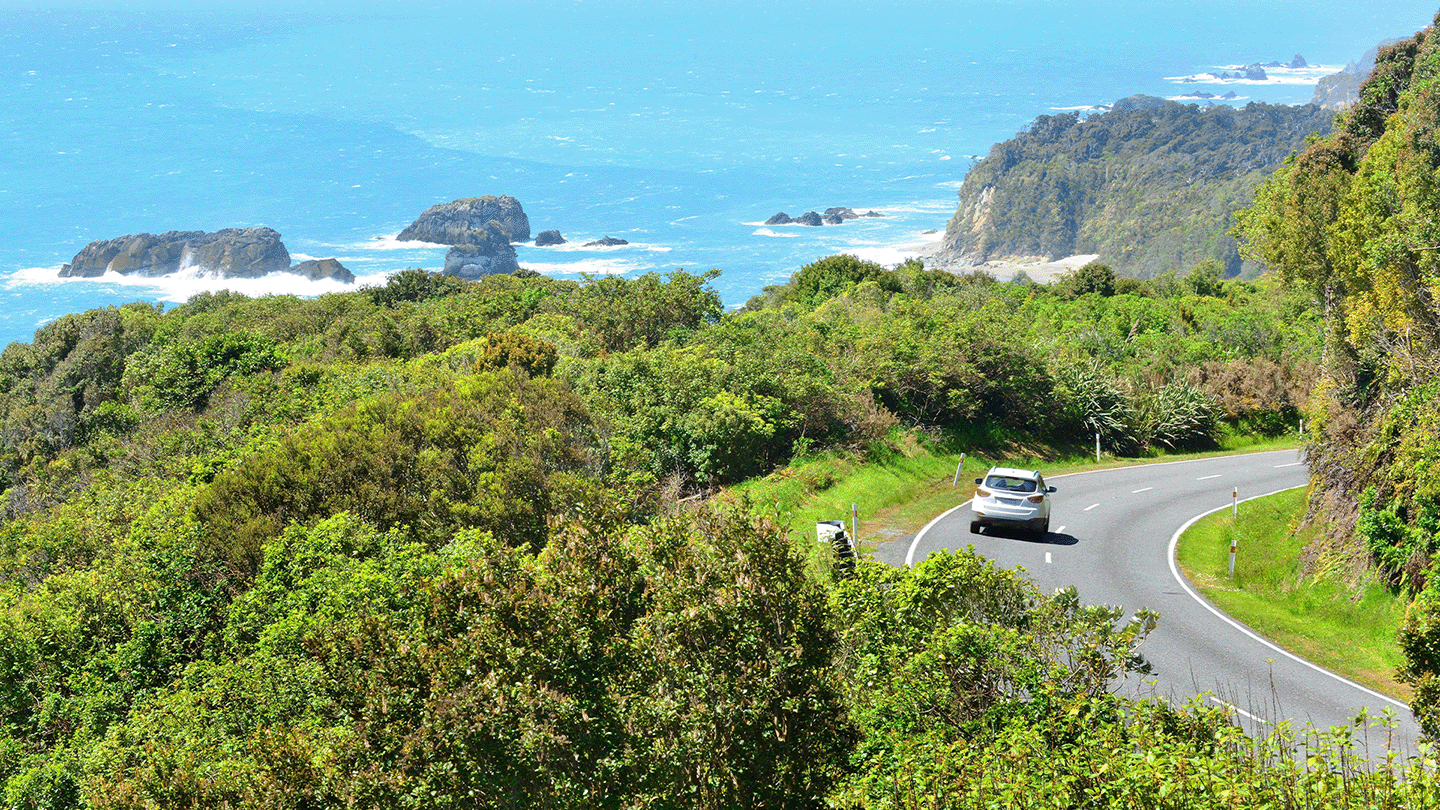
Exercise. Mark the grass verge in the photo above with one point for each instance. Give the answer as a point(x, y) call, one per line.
point(1320, 620)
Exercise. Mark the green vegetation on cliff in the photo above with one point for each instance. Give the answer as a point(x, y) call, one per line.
point(1351, 221)
point(1150, 186)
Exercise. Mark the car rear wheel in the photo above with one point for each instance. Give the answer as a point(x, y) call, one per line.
point(1044, 529)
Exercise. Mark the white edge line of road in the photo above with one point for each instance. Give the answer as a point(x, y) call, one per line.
point(915, 543)
point(1205, 603)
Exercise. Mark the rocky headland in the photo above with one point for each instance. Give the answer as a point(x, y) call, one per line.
point(227, 253)
point(464, 221)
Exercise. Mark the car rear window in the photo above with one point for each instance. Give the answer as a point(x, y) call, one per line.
point(1010, 484)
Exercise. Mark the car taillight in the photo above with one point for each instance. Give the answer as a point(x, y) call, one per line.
point(1036, 499)
point(983, 492)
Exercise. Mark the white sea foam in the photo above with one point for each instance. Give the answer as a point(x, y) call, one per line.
point(768, 232)
point(180, 287)
point(593, 266)
point(576, 245)
point(389, 242)
point(1278, 76)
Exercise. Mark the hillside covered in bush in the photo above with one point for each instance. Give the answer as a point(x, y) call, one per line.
point(1150, 186)
point(431, 543)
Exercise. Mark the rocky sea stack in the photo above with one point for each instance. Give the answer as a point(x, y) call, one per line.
point(547, 238)
point(463, 222)
point(606, 241)
point(318, 269)
point(229, 253)
point(491, 253)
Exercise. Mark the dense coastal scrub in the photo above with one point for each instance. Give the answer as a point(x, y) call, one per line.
point(437, 543)
point(1350, 221)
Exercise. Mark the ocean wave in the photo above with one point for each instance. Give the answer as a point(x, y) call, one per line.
point(577, 246)
point(768, 232)
point(389, 242)
point(1274, 76)
point(609, 267)
point(180, 287)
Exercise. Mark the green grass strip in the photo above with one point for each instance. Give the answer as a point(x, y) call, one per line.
point(1346, 628)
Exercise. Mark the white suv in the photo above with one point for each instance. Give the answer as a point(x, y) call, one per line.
point(1011, 497)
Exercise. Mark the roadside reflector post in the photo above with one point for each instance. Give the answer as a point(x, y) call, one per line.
point(1097, 447)
point(854, 517)
point(1234, 531)
point(956, 482)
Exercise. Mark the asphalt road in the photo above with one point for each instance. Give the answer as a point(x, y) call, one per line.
point(1112, 537)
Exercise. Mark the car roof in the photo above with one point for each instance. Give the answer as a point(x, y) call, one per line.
point(1014, 473)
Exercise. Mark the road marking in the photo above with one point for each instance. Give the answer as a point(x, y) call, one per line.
point(1232, 707)
point(1060, 530)
point(1205, 603)
point(1091, 506)
point(910, 555)
point(920, 535)
point(1138, 491)
point(1207, 477)
point(1291, 464)
point(1047, 558)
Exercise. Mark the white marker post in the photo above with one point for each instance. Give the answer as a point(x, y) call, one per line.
point(1097, 448)
point(1234, 533)
point(956, 482)
point(854, 516)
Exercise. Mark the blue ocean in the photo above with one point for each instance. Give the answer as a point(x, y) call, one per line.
point(679, 127)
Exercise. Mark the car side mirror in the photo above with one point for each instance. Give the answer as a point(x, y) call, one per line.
point(1051, 489)
point(978, 480)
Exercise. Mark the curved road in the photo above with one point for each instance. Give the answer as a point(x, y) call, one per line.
point(1112, 534)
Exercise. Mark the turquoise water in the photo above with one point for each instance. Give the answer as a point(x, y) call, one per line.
point(679, 128)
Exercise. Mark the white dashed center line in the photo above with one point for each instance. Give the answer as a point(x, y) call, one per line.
point(1138, 491)
point(1091, 506)
point(1060, 530)
point(1207, 478)
point(1047, 558)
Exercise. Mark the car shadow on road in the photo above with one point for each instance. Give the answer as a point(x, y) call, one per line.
point(1050, 539)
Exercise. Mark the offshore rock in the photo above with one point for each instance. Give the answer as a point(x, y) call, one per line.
point(317, 269)
point(228, 253)
point(842, 213)
point(781, 218)
point(546, 238)
point(833, 219)
point(470, 262)
point(490, 253)
point(872, 214)
point(463, 222)
point(607, 241)
point(809, 218)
